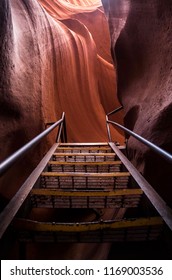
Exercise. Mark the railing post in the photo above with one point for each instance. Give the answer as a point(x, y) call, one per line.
point(108, 129)
point(59, 133)
point(107, 121)
point(63, 133)
point(64, 130)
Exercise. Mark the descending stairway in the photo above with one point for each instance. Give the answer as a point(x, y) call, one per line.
point(86, 194)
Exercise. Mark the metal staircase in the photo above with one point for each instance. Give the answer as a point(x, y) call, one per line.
point(86, 176)
point(85, 192)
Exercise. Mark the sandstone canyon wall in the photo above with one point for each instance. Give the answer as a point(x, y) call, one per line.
point(54, 57)
point(141, 40)
point(50, 62)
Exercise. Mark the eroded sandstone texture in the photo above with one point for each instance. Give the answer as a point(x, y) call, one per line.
point(141, 44)
point(54, 57)
point(53, 61)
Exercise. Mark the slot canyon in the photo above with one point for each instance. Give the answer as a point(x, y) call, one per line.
point(85, 58)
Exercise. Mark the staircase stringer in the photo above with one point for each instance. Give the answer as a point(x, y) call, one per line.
point(9, 212)
point(159, 204)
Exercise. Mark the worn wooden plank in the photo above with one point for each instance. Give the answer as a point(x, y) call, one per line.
point(163, 209)
point(13, 206)
point(85, 144)
point(83, 154)
point(85, 148)
point(90, 144)
point(30, 225)
point(117, 162)
point(78, 174)
point(55, 192)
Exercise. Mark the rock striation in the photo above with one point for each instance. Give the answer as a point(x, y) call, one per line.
point(54, 57)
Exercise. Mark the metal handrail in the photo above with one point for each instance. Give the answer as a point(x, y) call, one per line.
point(11, 160)
point(167, 156)
point(149, 144)
point(108, 129)
point(115, 111)
point(107, 125)
point(160, 205)
point(62, 133)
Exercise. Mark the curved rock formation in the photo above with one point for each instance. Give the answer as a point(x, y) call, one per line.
point(48, 67)
point(53, 61)
point(141, 42)
point(90, 16)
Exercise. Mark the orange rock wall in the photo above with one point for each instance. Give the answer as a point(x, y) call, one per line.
point(141, 45)
point(96, 81)
point(50, 63)
point(54, 57)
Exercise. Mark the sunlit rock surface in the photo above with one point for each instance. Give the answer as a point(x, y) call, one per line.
point(141, 45)
point(54, 57)
point(91, 70)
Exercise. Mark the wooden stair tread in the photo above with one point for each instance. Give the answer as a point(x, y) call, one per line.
point(105, 187)
point(85, 148)
point(98, 144)
point(117, 162)
point(31, 225)
point(55, 192)
point(78, 174)
point(57, 198)
point(84, 154)
point(85, 144)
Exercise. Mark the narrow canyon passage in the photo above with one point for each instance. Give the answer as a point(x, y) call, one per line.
point(57, 58)
point(85, 58)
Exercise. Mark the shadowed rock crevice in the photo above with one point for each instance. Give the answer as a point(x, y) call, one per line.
point(144, 57)
point(131, 117)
